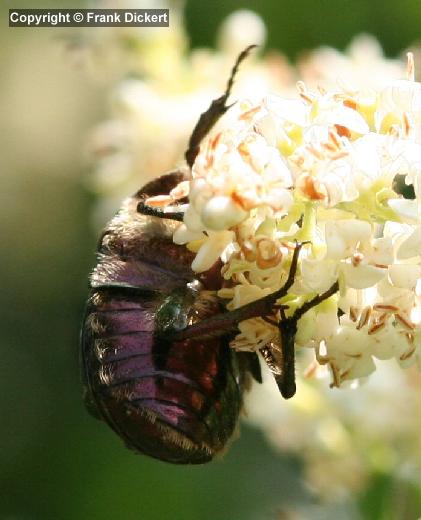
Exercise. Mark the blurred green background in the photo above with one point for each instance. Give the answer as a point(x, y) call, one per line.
point(56, 462)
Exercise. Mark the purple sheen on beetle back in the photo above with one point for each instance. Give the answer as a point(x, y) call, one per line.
point(175, 401)
point(133, 273)
point(104, 305)
point(115, 348)
point(138, 367)
point(172, 413)
point(182, 388)
point(113, 323)
point(144, 431)
point(170, 389)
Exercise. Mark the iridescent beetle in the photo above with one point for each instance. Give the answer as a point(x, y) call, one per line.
point(156, 361)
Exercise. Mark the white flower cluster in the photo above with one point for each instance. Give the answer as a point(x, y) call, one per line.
point(321, 168)
point(159, 90)
point(345, 437)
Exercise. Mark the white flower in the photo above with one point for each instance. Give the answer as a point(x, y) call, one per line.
point(331, 113)
point(254, 334)
point(240, 29)
point(342, 237)
point(411, 246)
point(221, 212)
point(401, 96)
point(281, 161)
point(318, 275)
point(213, 247)
point(316, 167)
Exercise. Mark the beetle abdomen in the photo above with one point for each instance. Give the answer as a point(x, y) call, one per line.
point(177, 401)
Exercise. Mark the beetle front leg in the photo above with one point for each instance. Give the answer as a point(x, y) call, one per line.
point(150, 211)
point(285, 376)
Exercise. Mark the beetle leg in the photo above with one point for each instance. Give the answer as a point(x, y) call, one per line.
point(144, 209)
point(286, 381)
point(315, 301)
point(270, 321)
point(227, 322)
point(288, 331)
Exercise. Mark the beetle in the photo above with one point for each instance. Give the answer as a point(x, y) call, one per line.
point(155, 355)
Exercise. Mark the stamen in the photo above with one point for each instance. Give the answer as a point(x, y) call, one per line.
point(350, 103)
point(364, 318)
point(357, 258)
point(343, 131)
point(335, 376)
point(244, 151)
point(311, 370)
point(334, 137)
point(317, 153)
point(394, 131)
point(407, 124)
point(376, 327)
point(409, 338)
point(381, 266)
point(329, 147)
point(384, 307)
point(339, 155)
point(215, 141)
point(410, 66)
point(353, 313)
point(303, 92)
point(403, 320)
point(344, 374)
point(383, 317)
point(249, 113)
point(297, 160)
point(407, 354)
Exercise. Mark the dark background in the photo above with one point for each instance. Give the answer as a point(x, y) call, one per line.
point(56, 462)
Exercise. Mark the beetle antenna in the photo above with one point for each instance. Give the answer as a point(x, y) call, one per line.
point(216, 109)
